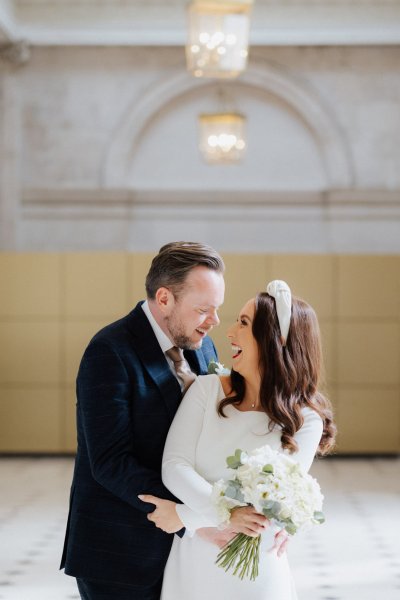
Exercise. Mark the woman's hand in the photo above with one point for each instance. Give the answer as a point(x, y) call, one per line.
point(216, 536)
point(245, 519)
point(281, 542)
point(164, 516)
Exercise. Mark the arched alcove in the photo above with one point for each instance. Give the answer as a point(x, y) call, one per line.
point(294, 144)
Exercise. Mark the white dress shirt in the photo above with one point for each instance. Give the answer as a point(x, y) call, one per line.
point(162, 338)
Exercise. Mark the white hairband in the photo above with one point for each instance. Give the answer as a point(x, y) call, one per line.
point(283, 301)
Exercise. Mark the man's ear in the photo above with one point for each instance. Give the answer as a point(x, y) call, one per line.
point(165, 300)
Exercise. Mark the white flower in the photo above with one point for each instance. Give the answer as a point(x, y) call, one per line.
point(223, 503)
point(217, 368)
point(275, 485)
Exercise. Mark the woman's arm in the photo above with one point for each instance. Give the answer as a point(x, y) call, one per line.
point(180, 476)
point(178, 469)
point(308, 439)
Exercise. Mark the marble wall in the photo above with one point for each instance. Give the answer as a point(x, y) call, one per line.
point(98, 151)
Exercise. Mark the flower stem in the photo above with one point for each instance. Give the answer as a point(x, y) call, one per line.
point(242, 554)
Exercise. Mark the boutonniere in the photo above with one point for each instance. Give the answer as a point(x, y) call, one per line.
point(217, 368)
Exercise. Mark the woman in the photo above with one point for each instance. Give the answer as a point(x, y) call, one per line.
point(270, 397)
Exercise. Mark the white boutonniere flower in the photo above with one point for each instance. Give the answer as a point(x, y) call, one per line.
point(217, 368)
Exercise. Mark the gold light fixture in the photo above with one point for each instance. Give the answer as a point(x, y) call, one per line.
point(218, 37)
point(222, 137)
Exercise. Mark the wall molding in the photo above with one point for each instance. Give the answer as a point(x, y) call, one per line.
point(163, 22)
point(116, 167)
point(16, 53)
point(349, 204)
point(326, 222)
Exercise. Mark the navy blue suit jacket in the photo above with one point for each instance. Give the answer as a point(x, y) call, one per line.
point(126, 400)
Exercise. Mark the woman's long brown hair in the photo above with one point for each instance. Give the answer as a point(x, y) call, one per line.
point(290, 374)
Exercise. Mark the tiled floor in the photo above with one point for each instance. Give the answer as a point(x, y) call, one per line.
point(355, 555)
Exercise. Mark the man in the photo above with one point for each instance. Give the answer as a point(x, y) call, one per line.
point(129, 386)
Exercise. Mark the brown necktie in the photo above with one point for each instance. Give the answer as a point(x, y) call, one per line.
point(181, 367)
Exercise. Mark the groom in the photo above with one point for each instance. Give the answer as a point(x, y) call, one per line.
point(129, 387)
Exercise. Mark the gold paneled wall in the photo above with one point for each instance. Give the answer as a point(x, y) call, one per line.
point(52, 304)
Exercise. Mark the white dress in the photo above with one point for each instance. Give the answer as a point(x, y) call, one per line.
point(194, 457)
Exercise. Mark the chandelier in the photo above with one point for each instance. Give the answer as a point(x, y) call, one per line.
point(218, 37)
point(222, 137)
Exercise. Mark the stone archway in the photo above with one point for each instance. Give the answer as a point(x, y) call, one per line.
point(334, 150)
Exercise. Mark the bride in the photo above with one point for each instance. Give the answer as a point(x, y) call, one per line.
point(271, 397)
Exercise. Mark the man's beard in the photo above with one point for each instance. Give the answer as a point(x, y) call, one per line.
point(178, 335)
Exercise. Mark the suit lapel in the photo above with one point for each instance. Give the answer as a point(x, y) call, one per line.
point(196, 361)
point(153, 359)
point(200, 359)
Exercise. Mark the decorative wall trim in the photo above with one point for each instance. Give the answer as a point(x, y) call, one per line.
point(336, 222)
point(15, 53)
point(336, 157)
point(163, 22)
point(349, 204)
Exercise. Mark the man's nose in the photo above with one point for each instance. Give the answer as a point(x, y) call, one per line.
point(213, 318)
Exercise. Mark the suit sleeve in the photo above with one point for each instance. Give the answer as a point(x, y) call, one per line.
point(104, 399)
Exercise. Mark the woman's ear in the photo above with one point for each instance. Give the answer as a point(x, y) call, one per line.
point(165, 300)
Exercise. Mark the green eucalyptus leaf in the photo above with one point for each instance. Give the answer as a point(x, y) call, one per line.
point(231, 491)
point(239, 496)
point(268, 469)
point(319, 517)
point(234, 490)
point(290, 527)
point(234, 482)
point(232, 462)
point(276, 508)
point(212, 367)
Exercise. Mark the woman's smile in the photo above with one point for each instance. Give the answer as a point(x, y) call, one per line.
point(245, 356)
point(236, 351)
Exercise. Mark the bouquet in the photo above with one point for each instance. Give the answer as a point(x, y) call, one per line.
point(277, 487)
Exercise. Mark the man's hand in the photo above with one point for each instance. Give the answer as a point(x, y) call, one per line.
point(216, 536)
point(164, 516)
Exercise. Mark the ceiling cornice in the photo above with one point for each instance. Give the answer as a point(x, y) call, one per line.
point(163, 22)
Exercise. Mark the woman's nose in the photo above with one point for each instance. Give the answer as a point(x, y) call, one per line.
point(229, 332)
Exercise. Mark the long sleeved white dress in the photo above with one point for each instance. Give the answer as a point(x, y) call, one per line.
point(194, 458)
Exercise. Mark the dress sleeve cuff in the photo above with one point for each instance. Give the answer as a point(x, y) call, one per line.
point(193, 520)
